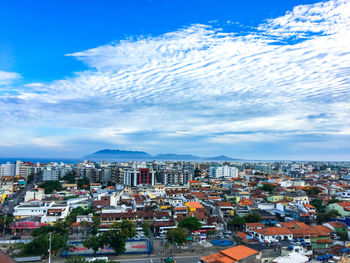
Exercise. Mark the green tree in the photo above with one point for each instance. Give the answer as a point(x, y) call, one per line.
point(176, 235)
point(318, 204)
point(268, 187)
point(94, 243)
point(83, 183)
point(343, 235)
point(313, 190)
point(146, 228)
point(41, 231)
point(326, 217)
point(252, 217)
point(70, 177)
point(40, 244)
point(51, 186)
point(237, 222)
point(5, 220)
point(30, 178)
point(197, 173)
point(190, 223)
point(58, 242)
point(116, 237)
point(333, 201)
point(96, 225)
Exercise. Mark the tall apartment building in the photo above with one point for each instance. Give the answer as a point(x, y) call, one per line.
point(133, 176)
point(7, 169)
point(24, 170)
point(117, 175)
point(223, 171)
point(51, 173)
point(175, 177)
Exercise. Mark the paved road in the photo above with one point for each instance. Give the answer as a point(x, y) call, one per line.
point(189, 259)
point(181, 259)
point(18, 197)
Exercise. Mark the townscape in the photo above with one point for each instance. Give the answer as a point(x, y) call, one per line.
point(167, 211)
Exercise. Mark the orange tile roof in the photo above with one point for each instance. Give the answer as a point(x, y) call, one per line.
point(336, 224)
point(324, 241)
point(194, 204)
point(321, 230)
point(239, 252)
point(225, 204)
point(271, 231)
point(246, 202)
point(309, 206)
point(194, 182)
point(217, 258)
point(181, 208)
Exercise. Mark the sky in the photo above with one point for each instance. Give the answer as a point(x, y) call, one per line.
point(247, 79)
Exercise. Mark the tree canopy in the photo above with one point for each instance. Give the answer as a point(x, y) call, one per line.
point(313, 190)
point(176, 235)
point(83, 183)
point(70, 177)
point(94, 243)
point(197, 173)
point(252, 217)
point(318, 204)
point(326, 217)
point(51, 186)
point(237, 222)
point(190, 223)
point(267, 187)
point(117, 236)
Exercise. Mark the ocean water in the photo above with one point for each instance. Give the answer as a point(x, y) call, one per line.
point(41, 160)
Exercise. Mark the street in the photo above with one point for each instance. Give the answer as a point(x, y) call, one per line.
point(181, 259)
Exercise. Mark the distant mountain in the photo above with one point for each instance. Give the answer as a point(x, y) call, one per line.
point(172, 156)
point(118, 154)
point(139, 155)
point(221, 158)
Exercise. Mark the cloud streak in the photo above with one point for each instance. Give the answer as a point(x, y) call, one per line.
point(202, 84)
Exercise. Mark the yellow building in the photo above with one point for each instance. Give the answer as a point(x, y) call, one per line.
point(193, 206)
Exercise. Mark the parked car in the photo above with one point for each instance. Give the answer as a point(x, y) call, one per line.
point(169, 260)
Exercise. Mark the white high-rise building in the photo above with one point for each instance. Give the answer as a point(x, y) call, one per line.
point(223, 171)
point(7, 169)
point(50, 174)
point(18, 164)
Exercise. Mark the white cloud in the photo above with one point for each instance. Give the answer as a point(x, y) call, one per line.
point(200, 81)
point(7, 77)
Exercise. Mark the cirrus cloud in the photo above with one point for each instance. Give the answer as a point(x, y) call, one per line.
point(201, 84)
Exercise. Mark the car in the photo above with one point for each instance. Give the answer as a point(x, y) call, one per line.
point(169, 260)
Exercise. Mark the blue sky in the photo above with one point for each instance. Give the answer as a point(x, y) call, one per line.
point(249, 79)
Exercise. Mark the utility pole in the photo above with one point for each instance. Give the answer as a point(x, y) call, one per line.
point(50, 247)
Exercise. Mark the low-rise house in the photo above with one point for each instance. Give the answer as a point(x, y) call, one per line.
point(273, 234)
point(253, 226)
point(337, 227)
point(134, 216)
point(343, 208)
point(232, 255)
point(226, 208)
point(36, 193)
